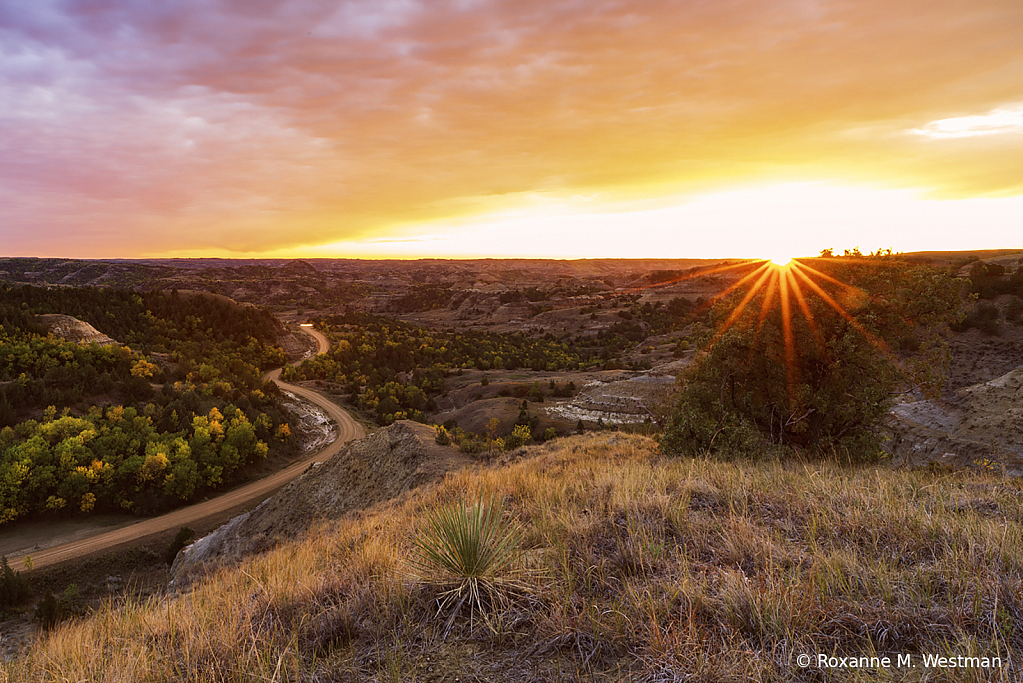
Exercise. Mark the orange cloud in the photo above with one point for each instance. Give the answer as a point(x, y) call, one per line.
point(252, 127)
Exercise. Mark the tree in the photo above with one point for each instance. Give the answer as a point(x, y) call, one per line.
point(14, 588)
point(520, 436)
point(821, 381)
point(143, 368)
point(442, 437)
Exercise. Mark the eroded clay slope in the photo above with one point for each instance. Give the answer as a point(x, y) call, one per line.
point(373, 469)
point(73, 329)
point(983, 422)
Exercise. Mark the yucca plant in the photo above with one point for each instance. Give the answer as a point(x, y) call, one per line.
point(475, 549)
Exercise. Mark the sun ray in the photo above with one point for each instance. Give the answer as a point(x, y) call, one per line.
point(805, 307)
point(765, 308)
point(768, 303)
point(848, 287)
point(712, 270)
point(844, 315)
point(737, 311)
point(782, 284)
point(735, 285)
point(879, 344)
point(823, 276)
point(791, 370)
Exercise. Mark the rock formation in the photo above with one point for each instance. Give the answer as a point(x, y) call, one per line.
point(73, 329)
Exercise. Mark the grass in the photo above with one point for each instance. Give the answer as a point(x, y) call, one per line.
point(633, 567)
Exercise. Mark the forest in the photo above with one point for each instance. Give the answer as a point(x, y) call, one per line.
point(392, 370)
point(178, 409)
point(368, 353)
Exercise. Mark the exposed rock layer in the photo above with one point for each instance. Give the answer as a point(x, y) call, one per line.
point(73, 329)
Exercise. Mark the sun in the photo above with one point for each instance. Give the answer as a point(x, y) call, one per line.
point(780, 260)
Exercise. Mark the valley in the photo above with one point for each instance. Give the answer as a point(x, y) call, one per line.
point(461, 374)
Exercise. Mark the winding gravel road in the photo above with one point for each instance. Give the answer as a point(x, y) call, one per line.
point(255, 492)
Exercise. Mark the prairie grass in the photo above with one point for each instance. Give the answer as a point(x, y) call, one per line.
point(632, 566)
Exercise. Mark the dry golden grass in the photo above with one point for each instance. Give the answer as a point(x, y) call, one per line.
point(632, 567)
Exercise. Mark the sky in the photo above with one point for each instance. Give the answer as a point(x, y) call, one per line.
point(500, 128)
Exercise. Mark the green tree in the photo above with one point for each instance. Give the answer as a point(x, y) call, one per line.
point(14, 588)
point(782, 379)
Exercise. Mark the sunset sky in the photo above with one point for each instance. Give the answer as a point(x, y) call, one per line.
point(526, 128)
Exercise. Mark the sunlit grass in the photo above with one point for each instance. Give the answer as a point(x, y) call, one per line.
point(635, 566)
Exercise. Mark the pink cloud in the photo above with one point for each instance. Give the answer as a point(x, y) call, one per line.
point(258, 125)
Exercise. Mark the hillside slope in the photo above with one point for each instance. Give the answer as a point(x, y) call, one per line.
point(982, 423)
point(73, 329)
point(373, 469)
point(630, 566)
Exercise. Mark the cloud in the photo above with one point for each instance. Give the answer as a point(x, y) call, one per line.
point(250, 126)
point(998, 121)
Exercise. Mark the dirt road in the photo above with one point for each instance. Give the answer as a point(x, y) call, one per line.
point(322, 345)
point(348, 430)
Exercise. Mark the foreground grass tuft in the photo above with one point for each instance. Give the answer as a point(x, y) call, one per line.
point(472, 543)
point(633, 567)
point(471, 547)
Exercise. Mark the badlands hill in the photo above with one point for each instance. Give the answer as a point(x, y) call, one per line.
point(980, 425)
point(73, 329)
point(380, 467)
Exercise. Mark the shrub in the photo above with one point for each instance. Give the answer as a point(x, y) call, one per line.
point(48, 611)
point(470, 446)
point(519, 437)
point(984, 317)
point(52, 610)
point(1014, 310)
point(442, 438)
point(809, 375)
point(470, 549)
